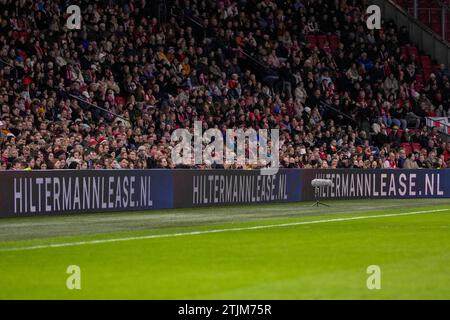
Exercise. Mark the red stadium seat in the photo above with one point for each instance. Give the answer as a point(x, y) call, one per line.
point(436, 26)
point(424, 16)
point(321, 41)
point(420, 82)
point(120, 100)
point(414, 131)
point(312, 40)
point(413, 51)
point(334, 41)
point(407, 147)
point(416, 146)
point(404, 52)
point(425, 61)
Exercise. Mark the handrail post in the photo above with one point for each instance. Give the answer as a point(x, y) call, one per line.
point(444, 22)
point(416, 9)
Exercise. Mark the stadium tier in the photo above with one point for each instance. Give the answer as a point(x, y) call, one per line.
point(110, 94)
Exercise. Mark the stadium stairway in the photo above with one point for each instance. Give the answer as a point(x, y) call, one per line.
point(430, 14)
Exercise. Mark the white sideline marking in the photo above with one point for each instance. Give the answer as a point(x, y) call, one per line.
point(169, 235)
point(155, 217)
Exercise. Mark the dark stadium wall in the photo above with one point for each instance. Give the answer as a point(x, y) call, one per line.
point(54, 192)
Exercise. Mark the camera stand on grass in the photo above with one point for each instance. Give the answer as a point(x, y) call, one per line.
point(317, 184)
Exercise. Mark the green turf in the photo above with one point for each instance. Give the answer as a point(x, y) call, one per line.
point(307, 261)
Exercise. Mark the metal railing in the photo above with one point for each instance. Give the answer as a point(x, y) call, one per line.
point(326, 105)
point(426, 16)
point(178, 12)
point(420, 33)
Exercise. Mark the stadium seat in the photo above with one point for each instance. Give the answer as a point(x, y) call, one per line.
point(404, 52)
point(120, 101)
point(414, 131)
point(312, 40)
point(413, 51)
point(334, 42)
point(424, 16)
point(416, 147)
point(321, 41)
point(425, 61)
point(436, 26)
point(407, 147)
point(419, 82)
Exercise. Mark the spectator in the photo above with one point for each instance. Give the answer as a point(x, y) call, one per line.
point(111, 94)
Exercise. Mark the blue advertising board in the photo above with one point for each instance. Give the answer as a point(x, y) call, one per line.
point(28, 193)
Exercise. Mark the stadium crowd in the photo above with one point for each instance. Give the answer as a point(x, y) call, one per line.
point(110, 95)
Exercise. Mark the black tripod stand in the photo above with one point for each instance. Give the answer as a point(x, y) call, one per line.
point(316, 196)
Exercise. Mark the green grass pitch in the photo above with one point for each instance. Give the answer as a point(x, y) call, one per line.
point(273, 251)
